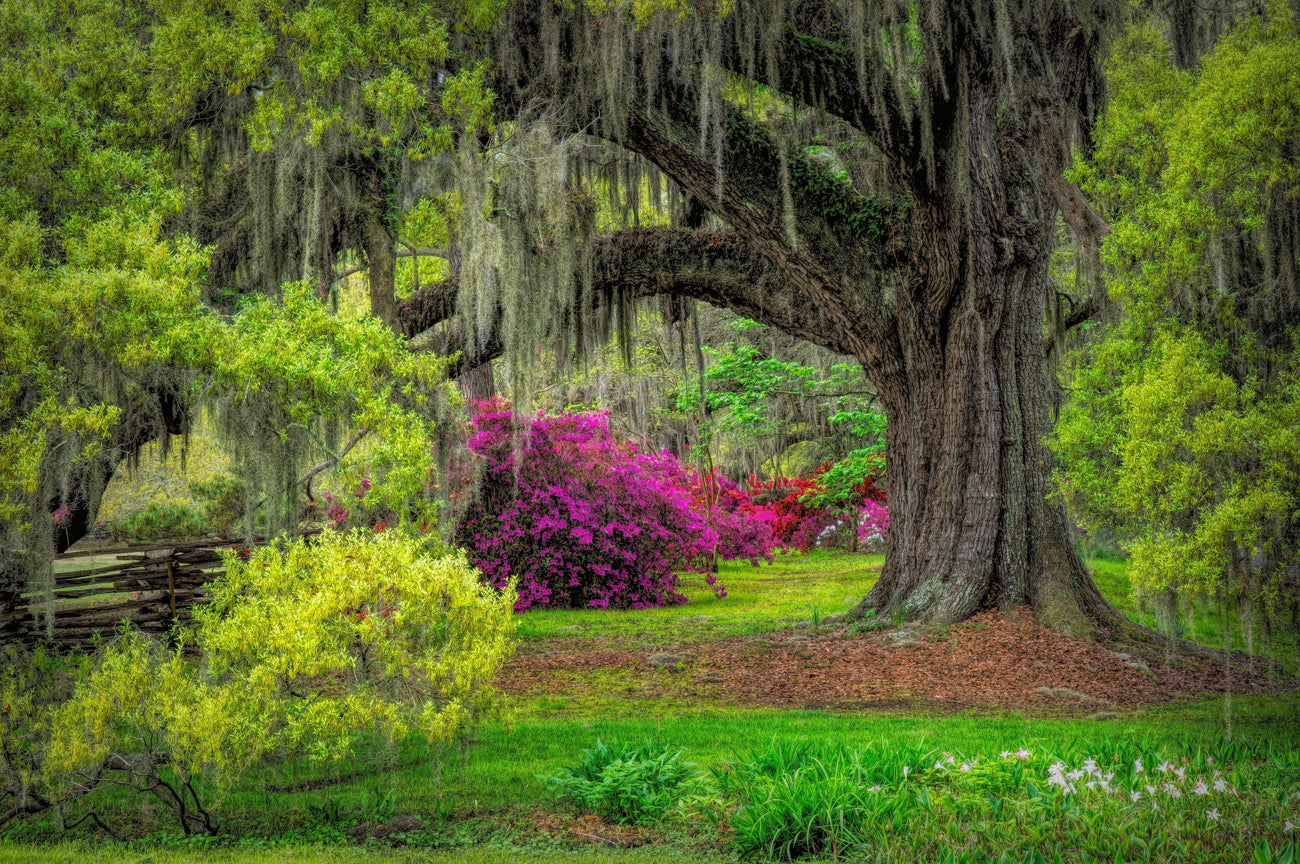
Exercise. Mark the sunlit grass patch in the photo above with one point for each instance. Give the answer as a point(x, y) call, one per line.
point(1205, 621)
point(794, 588)
point(78, 853)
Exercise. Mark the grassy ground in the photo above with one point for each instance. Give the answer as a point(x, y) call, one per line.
point(80, 853)
point(1205, 621)
point(487, 803)
point(760, 599)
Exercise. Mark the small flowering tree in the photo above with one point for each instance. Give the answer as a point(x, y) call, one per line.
point(320, 649)
point(846, 487)
point(579, 518)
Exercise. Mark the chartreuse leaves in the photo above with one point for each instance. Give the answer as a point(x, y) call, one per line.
point(1180, 433)
point(305, 648)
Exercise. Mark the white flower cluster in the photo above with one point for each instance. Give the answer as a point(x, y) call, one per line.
point(1173, 783)
point(1090, 774)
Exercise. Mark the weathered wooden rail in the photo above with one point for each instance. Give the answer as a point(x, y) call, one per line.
point(154, 587)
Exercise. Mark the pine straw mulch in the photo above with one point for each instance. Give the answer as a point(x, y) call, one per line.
point(993, 660)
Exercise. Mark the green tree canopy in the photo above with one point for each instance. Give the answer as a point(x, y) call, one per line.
point(1182, 431)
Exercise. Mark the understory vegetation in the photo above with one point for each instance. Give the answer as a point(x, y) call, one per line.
point(660, 759)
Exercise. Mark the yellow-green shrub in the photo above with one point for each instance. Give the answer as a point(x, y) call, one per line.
point(381, 634)
point(304, 646)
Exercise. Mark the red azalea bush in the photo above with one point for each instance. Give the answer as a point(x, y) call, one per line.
point(578, 517)
point(794, 522)
point(798, 520)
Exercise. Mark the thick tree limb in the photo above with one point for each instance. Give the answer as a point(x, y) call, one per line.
point(1087, 224)
point(31, 803)
point(1081, 313)
point(719, 268)
point(836, 261)
point(818, 265)
point(823, 73)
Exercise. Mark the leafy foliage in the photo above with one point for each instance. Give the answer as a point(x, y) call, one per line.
point(1181, 432)
point(761, 403)
point(801, 800)
point(224, 500)
point(290, 379)
point(305, 647)
point(629, 784)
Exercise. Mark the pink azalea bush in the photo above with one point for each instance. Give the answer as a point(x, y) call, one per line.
point(579, 518)
point(746, 531)
point(873, 524)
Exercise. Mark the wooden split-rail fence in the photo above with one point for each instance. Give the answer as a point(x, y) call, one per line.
point(153, 587)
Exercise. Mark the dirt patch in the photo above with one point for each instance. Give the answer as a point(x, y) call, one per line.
point(993, 659)
point(588, 828)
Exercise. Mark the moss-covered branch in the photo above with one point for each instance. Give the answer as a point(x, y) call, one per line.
point(716, 267)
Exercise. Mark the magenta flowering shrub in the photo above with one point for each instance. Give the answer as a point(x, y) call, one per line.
point(745, 531)
point(579, 518)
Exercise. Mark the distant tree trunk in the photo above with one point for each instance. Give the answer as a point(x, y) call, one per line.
point(381, 255)
point(479, 383)
point(13, 579)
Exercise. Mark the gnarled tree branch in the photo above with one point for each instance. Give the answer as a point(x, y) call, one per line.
point(719, 268)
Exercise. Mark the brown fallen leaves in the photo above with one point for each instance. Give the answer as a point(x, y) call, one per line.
point(993, 660)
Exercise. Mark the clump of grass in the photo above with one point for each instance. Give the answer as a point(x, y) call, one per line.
point(159, 522)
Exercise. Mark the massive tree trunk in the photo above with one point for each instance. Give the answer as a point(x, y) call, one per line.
point(964, 382)
point(972, 525)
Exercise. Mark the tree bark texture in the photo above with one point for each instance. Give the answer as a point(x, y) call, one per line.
point(965, 387)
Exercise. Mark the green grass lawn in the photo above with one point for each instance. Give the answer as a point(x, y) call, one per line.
point(1205, 621)
point(482, 803)
point(81, 853)
point(760, 599)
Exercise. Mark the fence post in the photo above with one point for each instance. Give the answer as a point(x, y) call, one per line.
point(171, 588)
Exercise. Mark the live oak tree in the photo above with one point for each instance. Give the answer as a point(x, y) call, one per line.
point(883, 180)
